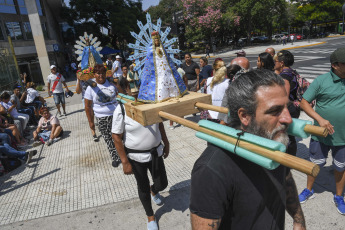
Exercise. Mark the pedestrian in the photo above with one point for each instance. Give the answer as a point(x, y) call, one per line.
point(49, 129)
point(328, 90)
point(292, 38)
point(205, 72)
point(81, 88)
point(284, 59)
point(230, 192)
point(192, 71)
point(265, 61)
point(101, 101)
point(116, 68)
point(141, 150)
point(284, 40)
point(241, 53)
point(207, 50)
point(109, 63)
point(133, 80)
point(271, 51)
point(56, 80)
point(216, 86)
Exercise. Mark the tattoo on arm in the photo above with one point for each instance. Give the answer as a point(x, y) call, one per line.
point(215, 224)
point(293, 206)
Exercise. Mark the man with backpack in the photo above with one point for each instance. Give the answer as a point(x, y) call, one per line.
point(56, 80)
point(328, 90)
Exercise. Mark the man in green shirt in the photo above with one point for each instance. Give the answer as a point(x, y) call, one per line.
point(329, 92)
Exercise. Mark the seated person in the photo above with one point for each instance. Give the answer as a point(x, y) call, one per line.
point(18, 99)
point(12, 110)
point(33, 97)
point(48, 129)
point(7, 150)
point(13, 131)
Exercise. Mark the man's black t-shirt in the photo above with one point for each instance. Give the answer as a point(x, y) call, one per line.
point(241, 193)
point(190, 70)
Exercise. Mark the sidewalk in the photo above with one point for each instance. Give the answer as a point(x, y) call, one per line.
point(72, 185)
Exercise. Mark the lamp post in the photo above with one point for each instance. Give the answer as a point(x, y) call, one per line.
point(343, 9)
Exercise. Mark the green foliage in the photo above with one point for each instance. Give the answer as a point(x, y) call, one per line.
point(40, 88)
point(319, 11)
point(119, 17)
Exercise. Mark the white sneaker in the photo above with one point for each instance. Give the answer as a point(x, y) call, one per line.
point(171, 127)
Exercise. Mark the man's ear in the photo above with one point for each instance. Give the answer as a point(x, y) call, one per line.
point(245, 118)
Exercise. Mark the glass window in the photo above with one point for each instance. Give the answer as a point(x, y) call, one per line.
point(7, 6)
point(27, 29)
point(13, 30)
point(22, 7)
point(39, 8)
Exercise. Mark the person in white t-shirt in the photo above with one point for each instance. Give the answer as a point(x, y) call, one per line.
point(101, 101)
point(116, 70)
point(56, 80)
point(144, 152)
point(216, 86)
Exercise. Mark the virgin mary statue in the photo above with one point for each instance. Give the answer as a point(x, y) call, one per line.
point(160, 80)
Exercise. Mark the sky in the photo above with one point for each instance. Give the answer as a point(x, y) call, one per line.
point(146, 3)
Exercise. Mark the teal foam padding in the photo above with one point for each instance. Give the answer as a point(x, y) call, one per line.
point(296, 128)
point(121, 100)
point(260, 141)
point(127, 96)
point(255, 158)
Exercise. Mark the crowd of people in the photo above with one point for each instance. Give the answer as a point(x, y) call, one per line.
point(261, 101)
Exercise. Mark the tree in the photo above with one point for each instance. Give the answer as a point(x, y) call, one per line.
point(118, 17)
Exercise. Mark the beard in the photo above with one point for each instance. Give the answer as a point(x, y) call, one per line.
point(259, 130)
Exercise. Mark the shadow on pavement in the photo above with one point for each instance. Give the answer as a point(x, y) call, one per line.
point(178, 200)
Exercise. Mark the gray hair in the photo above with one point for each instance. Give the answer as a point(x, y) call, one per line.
point(242, 92)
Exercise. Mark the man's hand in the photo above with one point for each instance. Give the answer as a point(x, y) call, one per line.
point(127, 168)
point(49, 93)
point(326, 124)
point(166, 150)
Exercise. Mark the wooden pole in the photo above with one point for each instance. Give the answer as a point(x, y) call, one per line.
point(312, 129)
point(285, 159)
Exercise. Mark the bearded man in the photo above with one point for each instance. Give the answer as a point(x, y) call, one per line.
point(229, 192)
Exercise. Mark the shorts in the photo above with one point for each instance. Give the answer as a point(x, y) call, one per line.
point(59, 98)
point(45, 134)
point(318, 153)
point(192, 85)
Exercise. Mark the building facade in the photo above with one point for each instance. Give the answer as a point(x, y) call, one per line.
point(15, 23)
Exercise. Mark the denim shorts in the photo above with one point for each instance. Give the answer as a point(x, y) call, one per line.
point(45, 134)
point(318, 153)
point(59, 98)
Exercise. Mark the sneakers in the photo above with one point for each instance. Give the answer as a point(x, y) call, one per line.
point(305, 195)
point(49, 142)
point(152, 225)
point(29, 155)
point(157, 199)
point(340, 204)
point(116, 163)
point(56, 139)
point(59, 113)
point(95, 138)
point(171, 127)
point(37, 143)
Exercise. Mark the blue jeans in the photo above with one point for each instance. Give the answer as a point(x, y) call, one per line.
point(4, 138)
point(45, 135)
point(11, 152)
point(26, 111)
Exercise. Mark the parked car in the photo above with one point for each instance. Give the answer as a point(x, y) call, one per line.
point(277, 36)
point(259, 39)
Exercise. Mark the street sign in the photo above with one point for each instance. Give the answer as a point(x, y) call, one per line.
point(56, 47)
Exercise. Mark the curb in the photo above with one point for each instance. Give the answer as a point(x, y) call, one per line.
point(296, 47)
point(334, 36)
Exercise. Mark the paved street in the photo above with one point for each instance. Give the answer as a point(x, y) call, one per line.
point(72, 185)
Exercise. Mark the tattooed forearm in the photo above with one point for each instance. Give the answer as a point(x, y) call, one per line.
point(215, 224)
point(293, 207)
